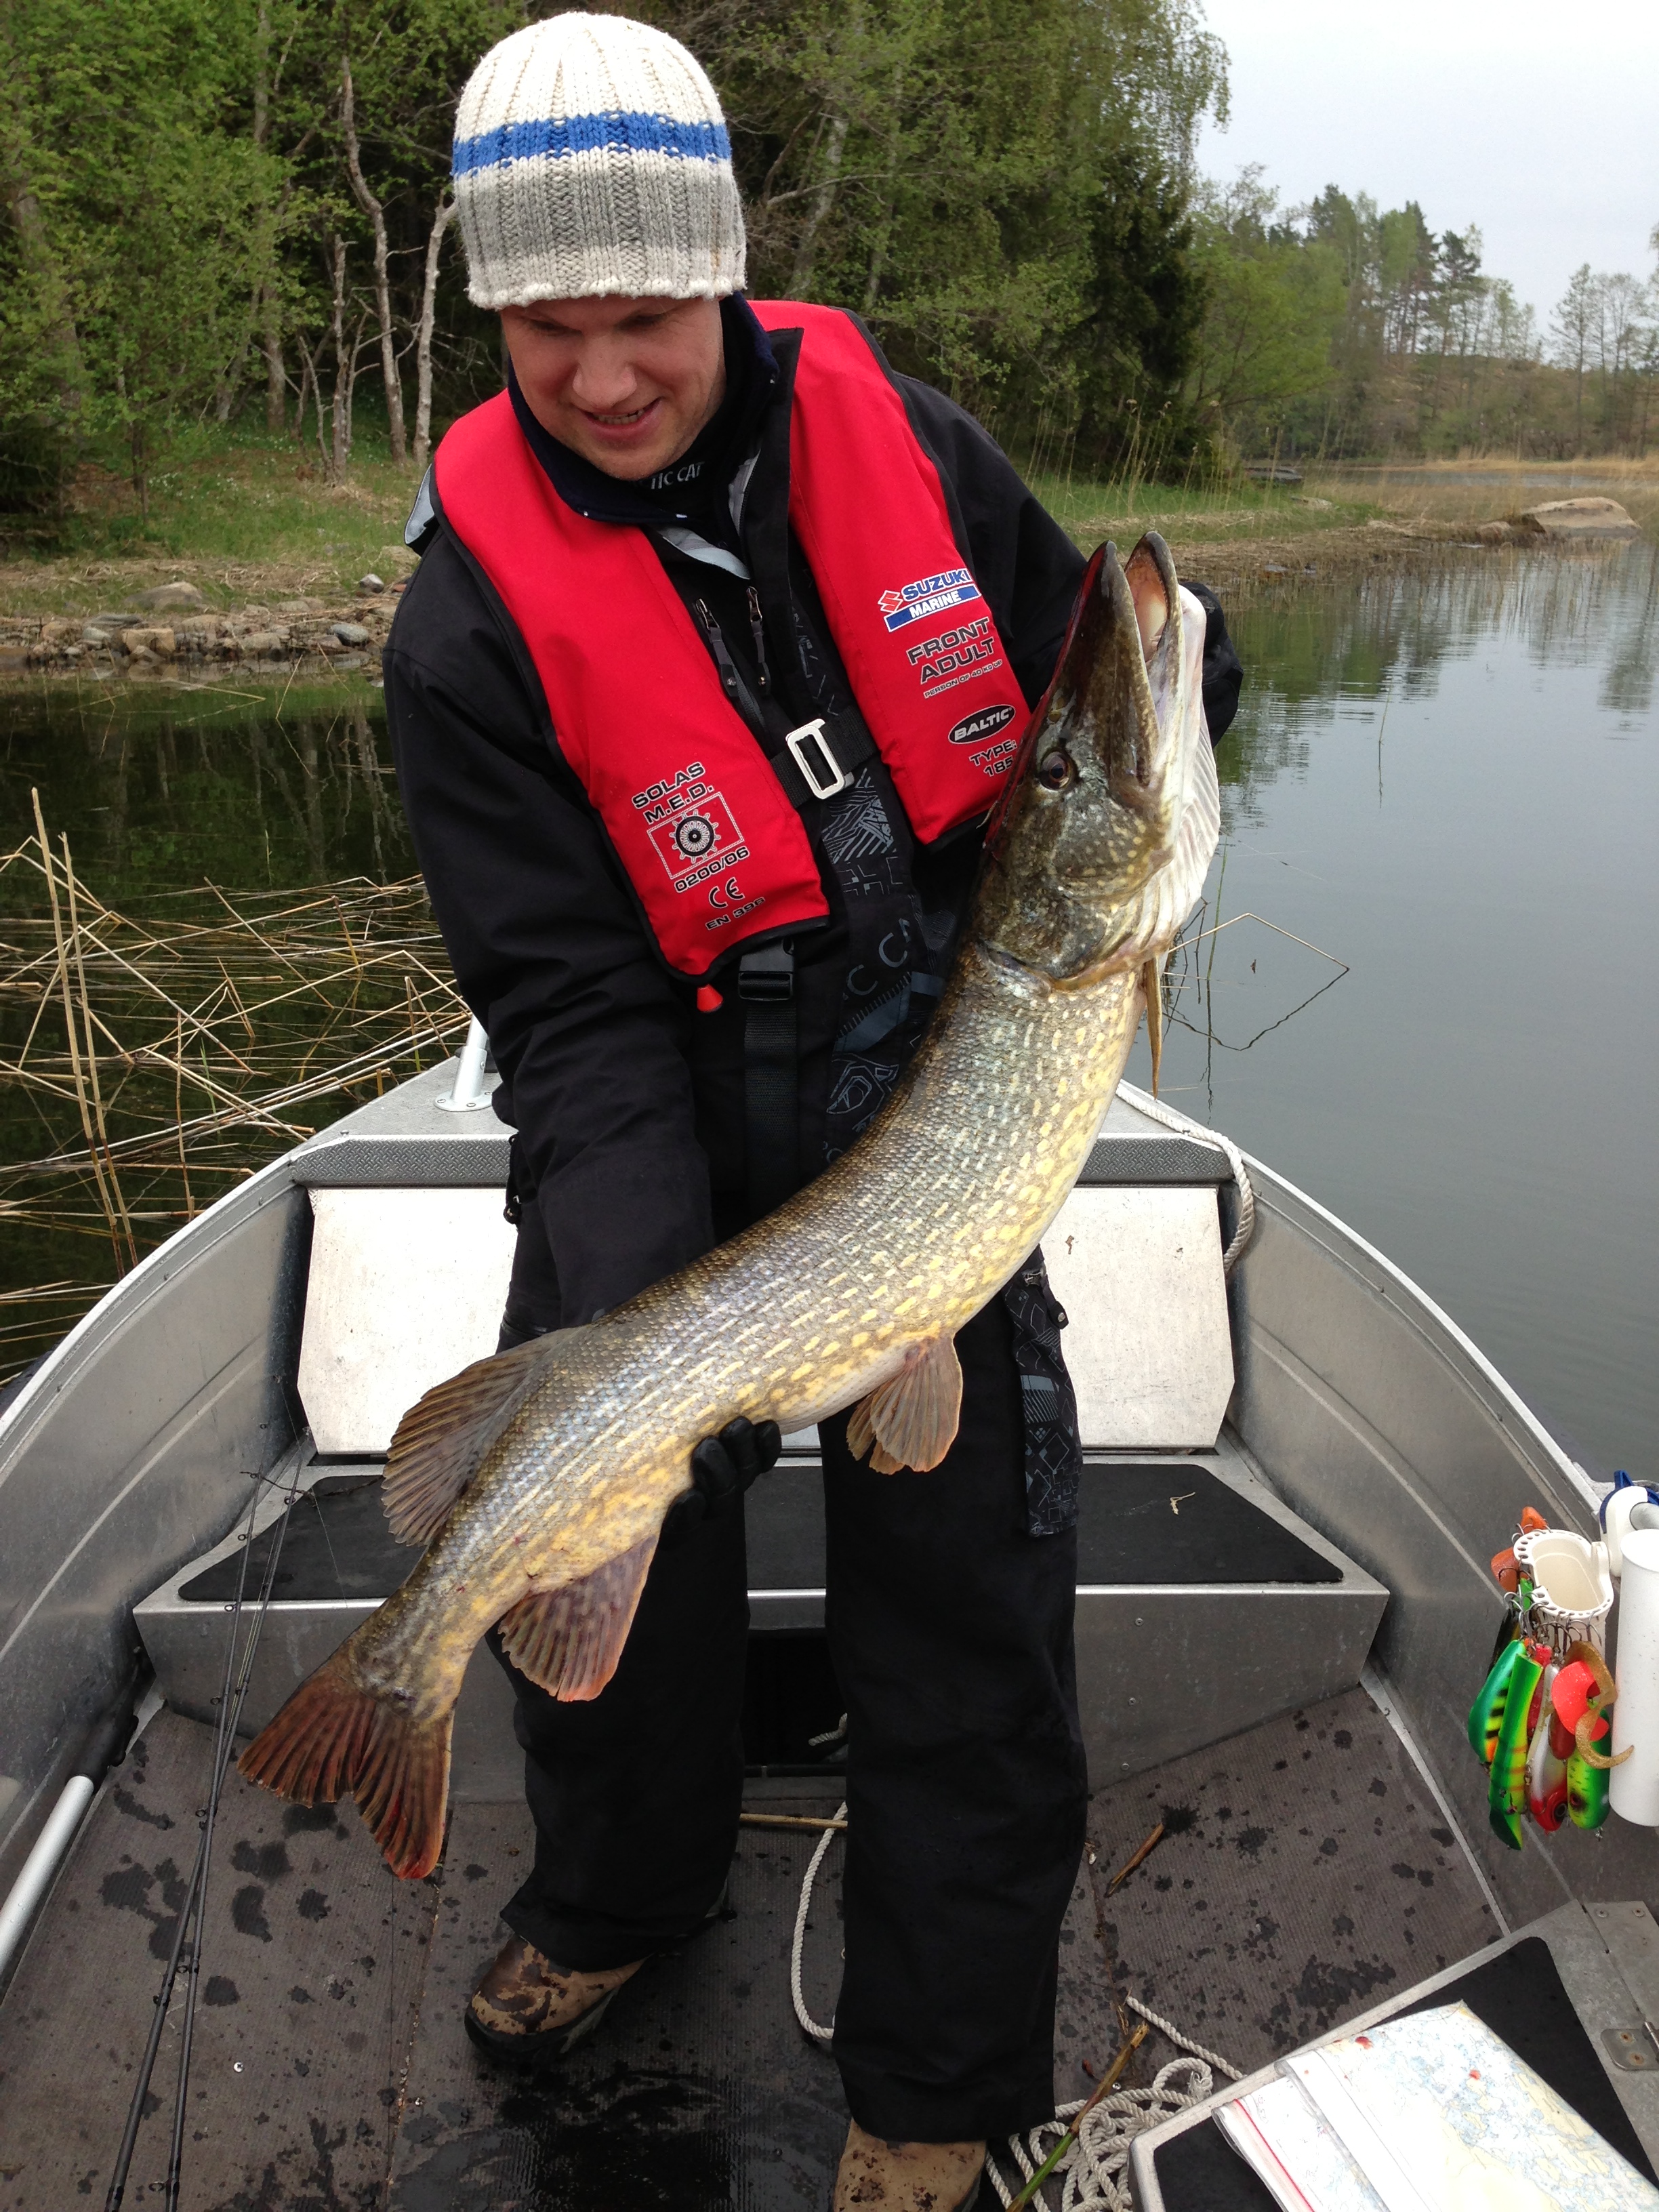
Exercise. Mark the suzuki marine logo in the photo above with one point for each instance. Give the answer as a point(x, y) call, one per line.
point(972, 729)
point(927, 596)
point(696, 842)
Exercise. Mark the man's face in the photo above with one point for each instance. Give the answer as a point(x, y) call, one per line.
point(627, 384)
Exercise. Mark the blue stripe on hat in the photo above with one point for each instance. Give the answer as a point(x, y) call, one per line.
point(554, 137)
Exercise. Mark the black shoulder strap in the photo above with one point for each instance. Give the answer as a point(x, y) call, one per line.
point(771, 1076)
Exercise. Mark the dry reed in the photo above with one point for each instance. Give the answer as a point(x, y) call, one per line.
point(151, 1063)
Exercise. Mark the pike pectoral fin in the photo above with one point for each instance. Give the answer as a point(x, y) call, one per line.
point(912, 1420)
point(442, 1437)
point(568, 1641)
point(1152, 992)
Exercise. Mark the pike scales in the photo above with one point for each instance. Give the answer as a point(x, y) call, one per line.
point(539, 1479)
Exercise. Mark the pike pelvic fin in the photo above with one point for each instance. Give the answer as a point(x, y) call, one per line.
point(1151, 990)
point(912, 1420)
point(333, 1735)
point(443, 1437)
point(568, 1641)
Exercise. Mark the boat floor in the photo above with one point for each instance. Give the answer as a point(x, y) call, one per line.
point(1305, 1871)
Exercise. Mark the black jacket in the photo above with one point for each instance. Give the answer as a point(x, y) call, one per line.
point(627, 1099)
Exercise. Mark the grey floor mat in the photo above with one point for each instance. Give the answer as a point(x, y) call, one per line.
point(700, 2092)
point(312, 1968)
point(331, 2068)
point(1305, 1871)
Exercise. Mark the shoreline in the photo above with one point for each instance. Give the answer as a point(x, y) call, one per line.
point(269, 618)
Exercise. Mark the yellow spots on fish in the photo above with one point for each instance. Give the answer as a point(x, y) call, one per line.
point(801, 1374)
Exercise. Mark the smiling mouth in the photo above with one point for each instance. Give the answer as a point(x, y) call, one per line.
point(622, 421)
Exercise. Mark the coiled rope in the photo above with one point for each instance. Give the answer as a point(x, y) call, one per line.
point(1092, 2175)
point(1183, 2042)
point(1184, 1125)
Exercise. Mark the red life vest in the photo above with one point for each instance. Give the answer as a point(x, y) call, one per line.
point(715, 849)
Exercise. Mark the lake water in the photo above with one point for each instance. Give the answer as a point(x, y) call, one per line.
point(1448, 780)
point(1443, 781)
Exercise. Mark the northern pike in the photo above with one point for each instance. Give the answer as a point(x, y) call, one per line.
point(538, 1480)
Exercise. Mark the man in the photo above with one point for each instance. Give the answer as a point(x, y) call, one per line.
point(721, 638)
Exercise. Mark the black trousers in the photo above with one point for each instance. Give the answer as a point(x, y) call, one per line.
point(950, 1631)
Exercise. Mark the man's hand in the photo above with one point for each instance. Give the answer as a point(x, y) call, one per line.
point(722, 1468)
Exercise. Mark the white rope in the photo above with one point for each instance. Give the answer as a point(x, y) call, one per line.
point(1184, 1125)
point(809, 2026)
point(1183, 2042)
point(1093, 2176)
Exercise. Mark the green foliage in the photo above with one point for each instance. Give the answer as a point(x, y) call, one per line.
point(1417, 349)
point(135, 205)
point(197, 223)
point(991, 183)
point(1144, 296)
point(1273, 304)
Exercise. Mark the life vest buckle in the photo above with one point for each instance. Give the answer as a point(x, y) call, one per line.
point(825, 777)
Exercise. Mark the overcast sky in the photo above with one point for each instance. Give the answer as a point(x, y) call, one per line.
point(1534, 122)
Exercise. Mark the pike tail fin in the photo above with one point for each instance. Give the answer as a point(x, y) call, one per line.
point(333, 1737)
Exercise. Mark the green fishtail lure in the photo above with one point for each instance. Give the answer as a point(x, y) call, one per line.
point(1506, 1797)
point(1486, 1713)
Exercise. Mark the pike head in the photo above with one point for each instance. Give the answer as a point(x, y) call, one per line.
point(1101, 848)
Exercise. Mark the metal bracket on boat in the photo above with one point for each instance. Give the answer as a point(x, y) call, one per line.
point(106, 1746)
point(1632, 2050)
point(471, 1090)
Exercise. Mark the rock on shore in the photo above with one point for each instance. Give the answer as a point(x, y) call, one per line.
point(132, 639)
point(1575, 518)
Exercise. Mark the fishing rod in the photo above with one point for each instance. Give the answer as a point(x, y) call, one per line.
point(192, 1916)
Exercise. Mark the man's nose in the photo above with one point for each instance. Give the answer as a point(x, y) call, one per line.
point(605, 378)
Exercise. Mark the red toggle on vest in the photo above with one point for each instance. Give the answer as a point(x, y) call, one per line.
point(713, 848)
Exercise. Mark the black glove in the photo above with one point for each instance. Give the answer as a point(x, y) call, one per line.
point(722, 1468)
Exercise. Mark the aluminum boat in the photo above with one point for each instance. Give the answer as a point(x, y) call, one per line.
point(1296, 1478)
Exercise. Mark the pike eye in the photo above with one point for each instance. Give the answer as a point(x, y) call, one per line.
point(1057, 773)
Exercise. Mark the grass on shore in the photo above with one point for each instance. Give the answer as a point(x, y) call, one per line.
point(249, 518)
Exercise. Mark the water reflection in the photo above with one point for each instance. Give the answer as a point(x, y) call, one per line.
point(1316, 650)
point(160, 788)
point(1422, 984)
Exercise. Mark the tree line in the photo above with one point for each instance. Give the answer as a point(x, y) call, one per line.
point(239, 211)
point(1342, 329)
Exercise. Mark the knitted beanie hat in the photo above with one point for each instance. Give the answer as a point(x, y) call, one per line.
point(592, 157)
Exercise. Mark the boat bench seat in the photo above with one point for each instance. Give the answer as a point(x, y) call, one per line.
point(1204, 1604)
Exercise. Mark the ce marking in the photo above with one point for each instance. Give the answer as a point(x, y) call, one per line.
point(725, 894)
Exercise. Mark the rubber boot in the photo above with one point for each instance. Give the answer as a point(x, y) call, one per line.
point(526, 2010)
point(876, 2176)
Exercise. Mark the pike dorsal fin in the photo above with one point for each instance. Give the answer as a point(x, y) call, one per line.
point(567, 1641)
point(443, 1437)
point(912, 1420)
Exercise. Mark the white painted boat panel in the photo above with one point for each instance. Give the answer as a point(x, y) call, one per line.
point(406, 1288)
point(1139, 1272)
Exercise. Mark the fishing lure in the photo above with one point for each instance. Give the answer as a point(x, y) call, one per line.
point(1547, 1761)
point(1580, 1698)
point(1508, 1628)
point(1587, 1783)
point(1486, 1713)
point(1506, 1795)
